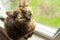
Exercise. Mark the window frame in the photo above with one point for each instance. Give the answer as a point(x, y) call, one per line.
point(42, 30)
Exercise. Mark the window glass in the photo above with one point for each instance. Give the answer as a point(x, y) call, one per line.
point(46, 12)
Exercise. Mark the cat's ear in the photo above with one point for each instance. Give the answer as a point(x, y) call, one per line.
point(9, 14)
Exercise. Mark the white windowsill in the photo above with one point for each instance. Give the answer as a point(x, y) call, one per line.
point(45, 31)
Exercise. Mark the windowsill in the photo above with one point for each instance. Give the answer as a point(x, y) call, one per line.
point(45, 31)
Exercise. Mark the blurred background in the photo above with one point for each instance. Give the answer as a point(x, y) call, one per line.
point(46, 12)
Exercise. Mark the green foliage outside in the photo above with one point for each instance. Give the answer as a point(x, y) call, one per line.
point(52, 22)
point(14, 4)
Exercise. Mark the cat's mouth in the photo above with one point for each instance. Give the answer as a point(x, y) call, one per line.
point(21, 19)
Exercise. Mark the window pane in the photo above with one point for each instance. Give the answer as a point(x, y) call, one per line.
point(46, 12)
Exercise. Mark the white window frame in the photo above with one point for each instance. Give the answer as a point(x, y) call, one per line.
point(45, 31)
point(2, 14)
